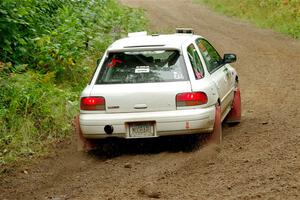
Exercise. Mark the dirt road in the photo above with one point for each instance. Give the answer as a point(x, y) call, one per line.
point(259, 159)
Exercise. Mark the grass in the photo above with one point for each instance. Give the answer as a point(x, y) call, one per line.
point(34, 112)
point(280, 15)
point(48, 51)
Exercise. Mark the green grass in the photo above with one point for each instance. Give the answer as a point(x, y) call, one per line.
point(34, 112)
point(48, 50)
point(280, 15)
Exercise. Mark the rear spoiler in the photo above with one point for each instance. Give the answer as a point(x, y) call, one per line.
point(136, 34)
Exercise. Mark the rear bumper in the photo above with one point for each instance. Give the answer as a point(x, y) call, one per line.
point(178, 122)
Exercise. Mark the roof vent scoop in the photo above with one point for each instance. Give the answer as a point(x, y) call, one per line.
point(136, 34)
point(185, 30)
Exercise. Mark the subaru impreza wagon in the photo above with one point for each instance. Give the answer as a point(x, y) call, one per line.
point(159, 85)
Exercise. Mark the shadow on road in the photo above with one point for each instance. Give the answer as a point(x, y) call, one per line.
point(113, 147)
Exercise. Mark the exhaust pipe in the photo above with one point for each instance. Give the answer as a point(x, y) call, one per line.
point(109, 129)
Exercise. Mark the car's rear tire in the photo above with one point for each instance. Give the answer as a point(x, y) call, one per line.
point(234, 116)
point(216, 136)
point(83, 144)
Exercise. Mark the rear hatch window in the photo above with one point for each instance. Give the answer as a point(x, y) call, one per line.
point(143, 67)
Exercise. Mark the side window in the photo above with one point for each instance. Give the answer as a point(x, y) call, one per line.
point(211, 57)
point(195, 61)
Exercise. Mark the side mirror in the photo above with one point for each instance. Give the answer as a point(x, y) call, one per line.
point(229, 58)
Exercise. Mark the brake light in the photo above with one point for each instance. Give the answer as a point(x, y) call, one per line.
point(191, 99)
point(92, 103)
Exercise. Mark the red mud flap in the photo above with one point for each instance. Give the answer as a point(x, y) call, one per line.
point(83, 144)
point(234, 116)
point(216, 135)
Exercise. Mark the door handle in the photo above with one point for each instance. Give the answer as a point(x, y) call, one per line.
point(140, 106)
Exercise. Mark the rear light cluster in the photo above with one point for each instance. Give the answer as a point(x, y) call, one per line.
point(191, 99)
point(92, 103)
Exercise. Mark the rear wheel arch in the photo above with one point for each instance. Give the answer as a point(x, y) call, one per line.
point(214, 94)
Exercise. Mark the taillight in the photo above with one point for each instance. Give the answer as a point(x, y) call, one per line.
point(191, 99)
point(92, 103)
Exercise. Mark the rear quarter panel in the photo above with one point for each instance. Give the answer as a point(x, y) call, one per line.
point(202, 85)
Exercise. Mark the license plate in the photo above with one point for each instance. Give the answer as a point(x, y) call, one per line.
point(141, 129)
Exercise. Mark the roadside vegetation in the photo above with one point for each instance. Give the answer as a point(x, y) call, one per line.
point(48, 50)
point(280, 15)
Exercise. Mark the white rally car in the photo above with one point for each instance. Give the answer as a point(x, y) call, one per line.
point(159, 85)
